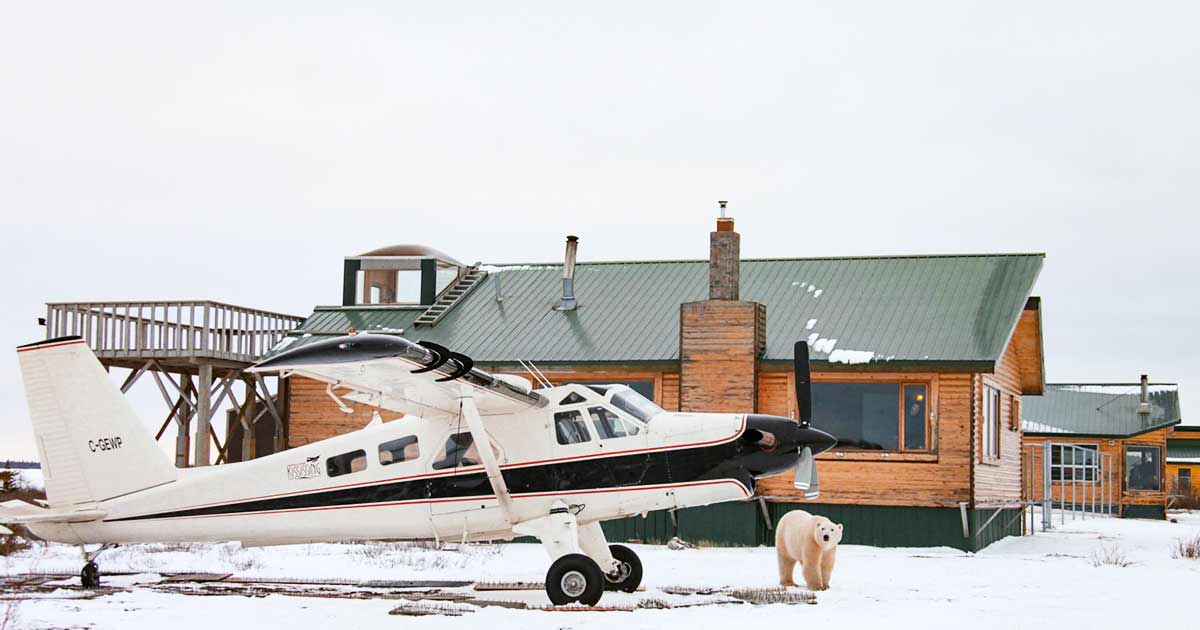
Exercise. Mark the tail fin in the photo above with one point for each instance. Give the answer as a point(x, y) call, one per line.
point(91, 443)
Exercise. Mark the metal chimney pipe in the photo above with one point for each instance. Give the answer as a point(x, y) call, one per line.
point(568, 303)
point(1144, 404)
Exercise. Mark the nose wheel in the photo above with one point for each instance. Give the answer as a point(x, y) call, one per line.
point(575, 578)
point(629, 570)
point(89, 577)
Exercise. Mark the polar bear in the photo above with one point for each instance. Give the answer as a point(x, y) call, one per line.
point(811, 540)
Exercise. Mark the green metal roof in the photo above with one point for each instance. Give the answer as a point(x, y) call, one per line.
point(1183, 451)
point(903, 310)
point(1106, 410)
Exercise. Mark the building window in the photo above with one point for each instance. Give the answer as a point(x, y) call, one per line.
point(874, 416)
point(991, 422)
point(1014, 416)
point(400, 450)
point(609, 425)
point(1185, 480)
point(1142, 466)
point(346, 463)
point(1074, 462)
point(569, 427)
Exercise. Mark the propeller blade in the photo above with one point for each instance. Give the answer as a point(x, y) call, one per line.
point(814, 488)
point(803, 383)
point(804, 471)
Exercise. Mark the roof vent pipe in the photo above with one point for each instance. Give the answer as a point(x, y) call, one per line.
point(1144, 405)
point(567, 302)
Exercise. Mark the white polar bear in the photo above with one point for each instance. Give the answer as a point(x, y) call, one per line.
point(811, 540)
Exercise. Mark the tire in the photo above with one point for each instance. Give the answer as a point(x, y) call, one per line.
point(632, 578)
point(575, 578)
point(89, 577)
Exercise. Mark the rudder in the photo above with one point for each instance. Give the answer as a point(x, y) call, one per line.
point(91, 443)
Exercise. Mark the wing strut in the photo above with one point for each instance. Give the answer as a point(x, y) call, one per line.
point(483, 444)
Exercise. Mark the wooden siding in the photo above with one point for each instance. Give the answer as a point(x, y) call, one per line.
point(314, 416)
point(1115, 447)
point(719, 346)
point(939, 478)
point(1026, 348)
point(998, 481)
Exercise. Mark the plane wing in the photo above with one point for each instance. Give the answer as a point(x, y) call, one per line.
point(394, 373)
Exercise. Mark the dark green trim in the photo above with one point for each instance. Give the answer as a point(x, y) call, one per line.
point(350, 281)
point(742, 525)
point(428, 281)
point(1158, 512)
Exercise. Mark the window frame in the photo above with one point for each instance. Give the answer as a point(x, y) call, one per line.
point(1126, 471)
point(989, 449)
point(625, 420)
point(928, 380)
point(1061, 467)
point(1185, 473)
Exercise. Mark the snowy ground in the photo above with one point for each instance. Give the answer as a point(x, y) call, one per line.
point(1048, 580)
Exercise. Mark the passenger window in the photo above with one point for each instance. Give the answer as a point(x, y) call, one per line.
point(570, 428)
point(401, 450)
point(460, 450)
point(610, 425)
point(346, 463)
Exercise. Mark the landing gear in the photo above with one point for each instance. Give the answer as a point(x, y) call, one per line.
point(89, 577)
point(575, 578)
point(629, 572)
point(585, 565)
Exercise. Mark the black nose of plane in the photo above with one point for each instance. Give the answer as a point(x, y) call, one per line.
point(772, 445)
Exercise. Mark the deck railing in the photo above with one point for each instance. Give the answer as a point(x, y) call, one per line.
point(170, 329)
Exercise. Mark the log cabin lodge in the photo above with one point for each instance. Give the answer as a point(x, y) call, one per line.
point(1183, 466)
point(927, 359)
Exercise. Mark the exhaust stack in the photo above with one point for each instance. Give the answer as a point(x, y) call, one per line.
point(1144, 405)
point(567, 302)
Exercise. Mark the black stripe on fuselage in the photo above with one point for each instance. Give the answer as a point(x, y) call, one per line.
point(622, 471)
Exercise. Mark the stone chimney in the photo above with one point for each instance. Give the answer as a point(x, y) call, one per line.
point(721, 339)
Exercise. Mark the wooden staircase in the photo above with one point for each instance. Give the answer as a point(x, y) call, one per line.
point(438, 310)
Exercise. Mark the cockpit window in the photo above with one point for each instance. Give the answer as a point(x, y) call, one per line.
point(609, 425)
point(599, 389)
point(635, 404)
point(569, 427)
point(572, 399)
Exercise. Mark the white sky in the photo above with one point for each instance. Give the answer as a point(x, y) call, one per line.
point(217, 151)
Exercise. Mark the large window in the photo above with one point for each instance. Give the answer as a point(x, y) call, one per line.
point(569, 427)
point(1074, 462)
point(1142, 468)
point(991, 422)
point(874, 416)
point(1185, 480)
point(609, 425)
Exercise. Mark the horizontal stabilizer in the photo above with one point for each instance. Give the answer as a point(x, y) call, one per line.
point(22, 512)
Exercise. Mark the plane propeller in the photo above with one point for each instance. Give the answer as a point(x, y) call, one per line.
point(806, 468)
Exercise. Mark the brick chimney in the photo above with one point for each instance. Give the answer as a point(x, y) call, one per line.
point(724, 256)
point(721, 339)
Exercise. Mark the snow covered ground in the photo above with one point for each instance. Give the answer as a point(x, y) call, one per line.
point(1047, 580)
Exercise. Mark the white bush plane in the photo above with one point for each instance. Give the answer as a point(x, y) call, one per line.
point(557, 462)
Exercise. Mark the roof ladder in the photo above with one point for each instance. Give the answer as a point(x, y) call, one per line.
point(457, 291)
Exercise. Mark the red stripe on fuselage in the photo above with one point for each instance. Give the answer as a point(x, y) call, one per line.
point(53, 345)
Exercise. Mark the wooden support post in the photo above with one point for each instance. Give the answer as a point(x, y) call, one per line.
point(203, 415)
point(247, 418)
point(183, 425)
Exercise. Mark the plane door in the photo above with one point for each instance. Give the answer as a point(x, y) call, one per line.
point(461, 499)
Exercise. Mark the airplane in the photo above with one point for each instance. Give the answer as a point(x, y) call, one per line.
point(476, 456)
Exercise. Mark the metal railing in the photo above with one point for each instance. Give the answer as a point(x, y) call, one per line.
point(164, 329)
point(1084, 487)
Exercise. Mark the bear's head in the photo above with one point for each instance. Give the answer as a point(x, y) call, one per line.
point(827, 533)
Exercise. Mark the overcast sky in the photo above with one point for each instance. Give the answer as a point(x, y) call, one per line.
point(237, 153)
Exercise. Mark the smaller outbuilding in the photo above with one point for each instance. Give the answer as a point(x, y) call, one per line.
point(1107, 443)
point(1183, 464)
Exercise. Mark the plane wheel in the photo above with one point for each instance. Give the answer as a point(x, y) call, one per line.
point(575, 578)
point(631, 570)
point(89, 577)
